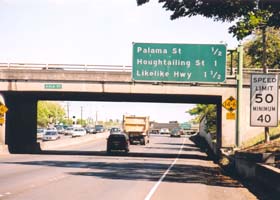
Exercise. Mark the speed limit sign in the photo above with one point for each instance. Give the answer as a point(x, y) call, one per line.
point(264, 100)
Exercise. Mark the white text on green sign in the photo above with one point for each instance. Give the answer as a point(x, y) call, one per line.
point(179, 62)
point(53, 86)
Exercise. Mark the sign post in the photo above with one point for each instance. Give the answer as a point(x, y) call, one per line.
point(239, 81)
point(264, 100)
point(179, 62)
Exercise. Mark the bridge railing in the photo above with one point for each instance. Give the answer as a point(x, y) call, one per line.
point(106, 68)
point(68, 67)
point(233, 72)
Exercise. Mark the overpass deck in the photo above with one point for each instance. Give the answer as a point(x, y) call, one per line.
point(31, 72)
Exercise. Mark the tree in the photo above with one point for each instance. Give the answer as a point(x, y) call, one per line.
point(254, 52)
point(210, 112)
point(250, 14)
point(81, 122)
point(49, 112)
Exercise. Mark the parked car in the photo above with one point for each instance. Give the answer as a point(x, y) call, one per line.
point(51, 135)
point(78, 132)
point(176, 132)
point(115, 130)
point(68, 130)
point(118, 142)
point(60, 129)
point(164, 131)
point(40, 133)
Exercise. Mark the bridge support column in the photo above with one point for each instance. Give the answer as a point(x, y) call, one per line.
point(3, 146)
point(21, 125)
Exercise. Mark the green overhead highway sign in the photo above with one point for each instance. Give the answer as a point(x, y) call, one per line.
point(179, 62)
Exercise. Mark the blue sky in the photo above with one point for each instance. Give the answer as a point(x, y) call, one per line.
point(94, 32)
point(97, 32)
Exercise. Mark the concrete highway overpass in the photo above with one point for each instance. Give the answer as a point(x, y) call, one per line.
point(23, 85)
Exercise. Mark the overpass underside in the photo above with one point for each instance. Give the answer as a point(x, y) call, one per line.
point(21, 119)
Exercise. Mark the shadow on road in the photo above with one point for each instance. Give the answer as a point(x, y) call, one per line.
point(142, 171)
point(174, 148)
point(131, 154)
point(178, 144)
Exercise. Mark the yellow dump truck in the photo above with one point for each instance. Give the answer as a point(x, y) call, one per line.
point(137, 128)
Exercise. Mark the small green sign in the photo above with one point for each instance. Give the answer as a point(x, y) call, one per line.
point(186, 126)
point(53, 86)
point(179, 62)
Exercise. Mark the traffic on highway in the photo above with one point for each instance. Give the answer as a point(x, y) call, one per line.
point(165, 168)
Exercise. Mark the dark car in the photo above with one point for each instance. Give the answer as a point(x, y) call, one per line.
point(118, 142)
point(99, 128)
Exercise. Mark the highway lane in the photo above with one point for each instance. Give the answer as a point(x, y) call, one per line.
point(167, 168)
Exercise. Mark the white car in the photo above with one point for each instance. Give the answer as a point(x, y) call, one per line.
point(164, 131)
point(51, 135)
point(78, 132)
point(40, 133)
point(68, 130)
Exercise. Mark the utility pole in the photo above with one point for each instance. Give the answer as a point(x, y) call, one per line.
point(96, 117)
point(81, 115)
point(68, 110)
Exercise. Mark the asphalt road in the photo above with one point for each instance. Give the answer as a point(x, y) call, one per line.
point(167, 168)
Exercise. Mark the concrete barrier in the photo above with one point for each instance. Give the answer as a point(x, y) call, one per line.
point(268, 175)
point(245, 163)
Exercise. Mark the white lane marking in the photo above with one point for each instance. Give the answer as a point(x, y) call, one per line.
point(151, 193)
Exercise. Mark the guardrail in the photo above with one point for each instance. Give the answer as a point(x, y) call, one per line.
point(106, 68)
